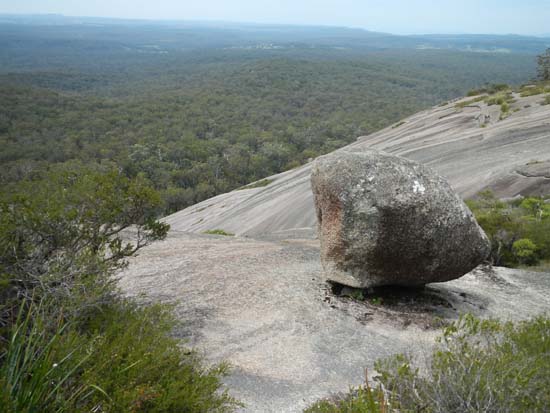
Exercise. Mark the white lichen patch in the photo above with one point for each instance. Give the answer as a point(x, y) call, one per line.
point(418, 188)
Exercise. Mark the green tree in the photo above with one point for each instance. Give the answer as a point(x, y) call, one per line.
point(500, 223)
point(543, 66)
point(519, 231)
point(69, 342)
point(65, 233)
point(525, 251)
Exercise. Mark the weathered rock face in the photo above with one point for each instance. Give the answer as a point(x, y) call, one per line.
point(386, 220)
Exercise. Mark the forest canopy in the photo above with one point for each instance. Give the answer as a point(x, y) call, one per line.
point(202, 110)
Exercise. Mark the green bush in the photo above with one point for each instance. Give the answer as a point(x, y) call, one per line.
point(491, 89)
point(469, 102)
point(506, 223)
point(497, 95)
point(543, 66)
point(258, 184)
point(74, 345)
point(218, 232)
point(64, 233)
point(141, 368)
point(525, 251)
point(499, 98)
point(478, 366)
point(121, 360)
point(533, 90)
point(361, 400)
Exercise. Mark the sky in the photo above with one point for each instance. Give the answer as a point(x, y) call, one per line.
point(528, 17)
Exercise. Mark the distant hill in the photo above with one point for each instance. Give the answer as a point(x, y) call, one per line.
point(177, 35)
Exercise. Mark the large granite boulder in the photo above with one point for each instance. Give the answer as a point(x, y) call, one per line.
point(386, 220)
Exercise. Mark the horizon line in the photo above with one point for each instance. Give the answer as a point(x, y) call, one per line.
point(252, 23)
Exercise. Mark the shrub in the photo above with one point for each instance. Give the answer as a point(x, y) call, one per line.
point(543, 66)
point(122, 359)
point(143, 369)
point(86, 349)
point(491, 89)
point(478, 366)
point(533, 90)
point(261, 183)
point(63, 235)
point(525, 251)
point(504, 110)
point(469, 102)
point(361, 400)
point(218, 232)
point(505, 223)
point(499, 98)
point(499, 222)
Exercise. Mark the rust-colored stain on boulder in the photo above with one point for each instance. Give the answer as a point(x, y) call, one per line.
point(329, 218)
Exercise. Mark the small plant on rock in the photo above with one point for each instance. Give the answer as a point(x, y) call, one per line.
point(218, 232)
point(364, 399)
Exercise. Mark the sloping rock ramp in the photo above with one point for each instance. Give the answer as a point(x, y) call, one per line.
point(263, 307)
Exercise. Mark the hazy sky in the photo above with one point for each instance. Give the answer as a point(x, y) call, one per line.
point(396, 16)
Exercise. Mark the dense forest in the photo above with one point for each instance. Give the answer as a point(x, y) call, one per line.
point(200, 110)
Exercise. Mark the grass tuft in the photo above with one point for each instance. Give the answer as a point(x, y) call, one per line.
point(534, 90)
point(463, 104)
point(364, 399)
point(258, 184)
point(218, 232)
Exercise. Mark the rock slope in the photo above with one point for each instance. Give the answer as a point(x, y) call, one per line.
point(262, 304)
point(264, 307)
point(470, 146)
